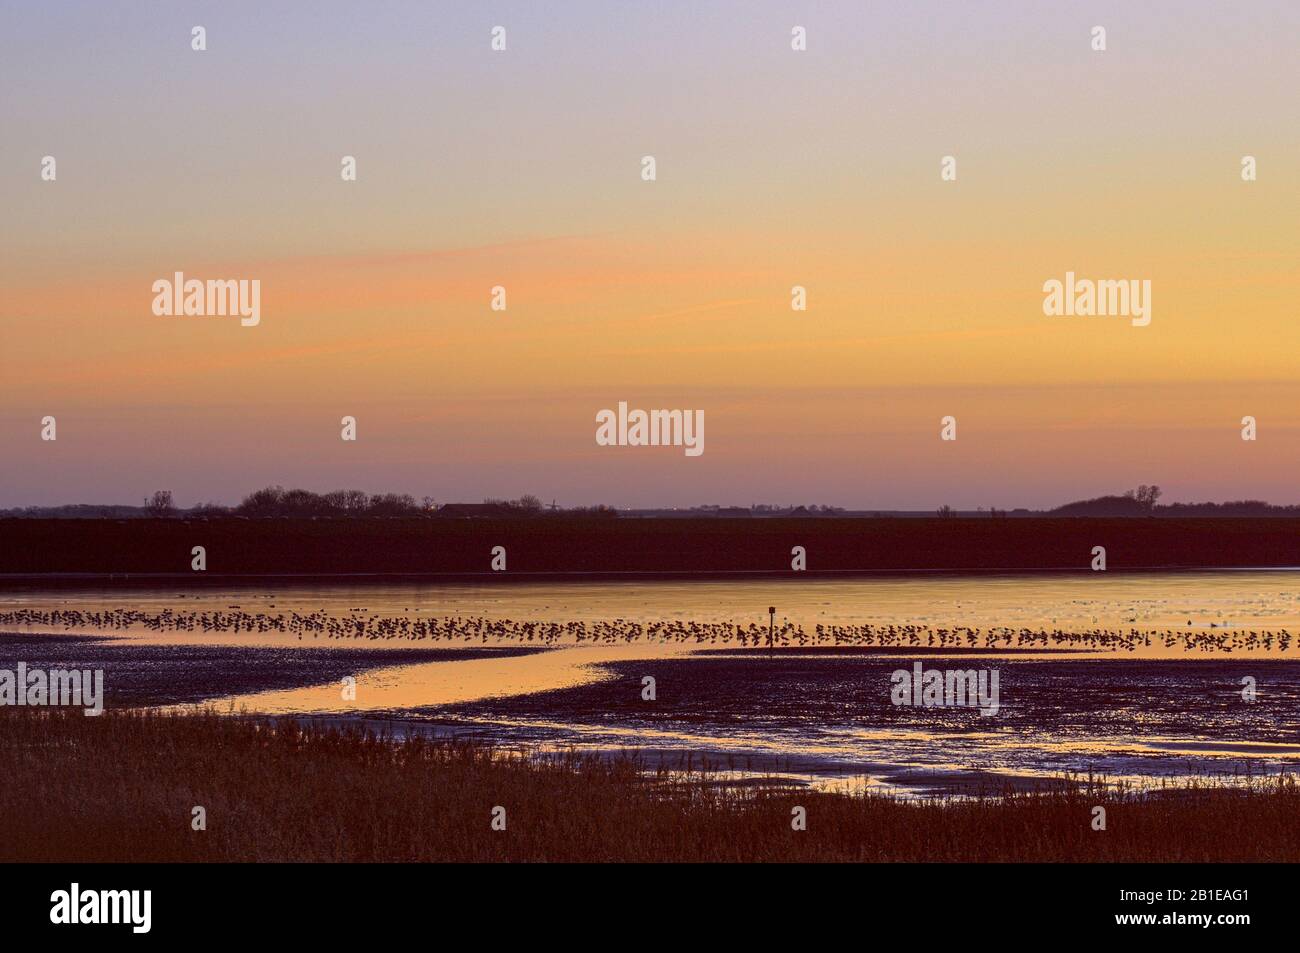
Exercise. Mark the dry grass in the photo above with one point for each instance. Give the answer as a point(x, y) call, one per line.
point(121, 787)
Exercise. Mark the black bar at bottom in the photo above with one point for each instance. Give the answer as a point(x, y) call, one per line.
point(943, 903)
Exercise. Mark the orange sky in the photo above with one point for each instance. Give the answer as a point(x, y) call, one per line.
point(776, 168)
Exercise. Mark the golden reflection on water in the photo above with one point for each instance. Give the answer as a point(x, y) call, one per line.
point(1215, 602)
point(448, 682)
point(1246, 599)
point(1181, 602)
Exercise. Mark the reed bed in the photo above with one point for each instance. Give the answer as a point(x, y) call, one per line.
point(122, 787)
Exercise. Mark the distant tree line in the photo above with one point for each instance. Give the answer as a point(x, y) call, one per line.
point(1138, 502)
point(1231, 508)
point(275, 501)
point(1143, 502)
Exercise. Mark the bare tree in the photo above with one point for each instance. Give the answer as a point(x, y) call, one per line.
point(160, 504)
point(1145, 496)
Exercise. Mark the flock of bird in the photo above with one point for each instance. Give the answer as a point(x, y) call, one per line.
point(479, 629)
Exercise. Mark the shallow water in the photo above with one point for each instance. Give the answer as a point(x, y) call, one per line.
point(823, 716)
point(1252, 599)
point(829, 716)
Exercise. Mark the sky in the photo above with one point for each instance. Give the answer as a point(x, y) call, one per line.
point(774, 168)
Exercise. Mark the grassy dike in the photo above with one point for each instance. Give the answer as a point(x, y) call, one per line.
point(122, 787)
point(652, 547)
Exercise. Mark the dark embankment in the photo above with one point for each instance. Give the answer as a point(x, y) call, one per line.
point(646, 546)
point(315, 794)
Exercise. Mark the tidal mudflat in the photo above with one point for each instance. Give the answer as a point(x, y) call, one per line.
point(1141, 678)
point(148, 674)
